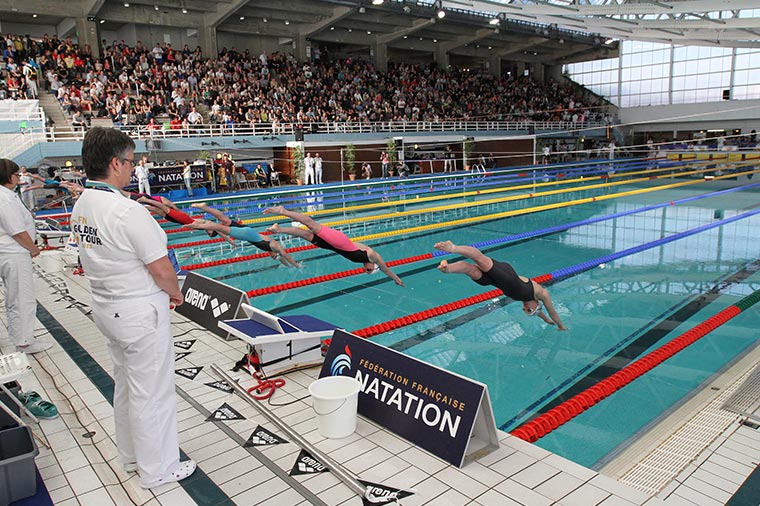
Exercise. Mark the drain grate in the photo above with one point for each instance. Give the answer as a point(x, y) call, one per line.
point(672, 456)
point(746, 400)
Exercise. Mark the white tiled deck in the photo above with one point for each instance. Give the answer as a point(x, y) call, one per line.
point(80, 467)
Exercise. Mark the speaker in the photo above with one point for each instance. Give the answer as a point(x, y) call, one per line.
point(727, 94)
point(299, 133)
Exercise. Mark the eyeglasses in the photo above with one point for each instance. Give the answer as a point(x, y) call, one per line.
point(130, 160)
point(17, 174)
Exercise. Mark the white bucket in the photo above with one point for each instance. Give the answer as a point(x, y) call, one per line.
point(335, 400)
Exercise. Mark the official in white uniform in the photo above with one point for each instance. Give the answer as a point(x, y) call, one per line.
point(143, 174)
point(17, 248)
point(308, 163)
point(124, 256)
point(318, 168)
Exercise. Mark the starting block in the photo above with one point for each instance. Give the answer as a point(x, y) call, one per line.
point(280, 343)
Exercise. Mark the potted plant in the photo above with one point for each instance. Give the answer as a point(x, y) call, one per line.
point(349, 161)
point(298, 166)
point(390, 148)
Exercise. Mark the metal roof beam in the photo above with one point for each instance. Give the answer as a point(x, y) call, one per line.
point(417, 24)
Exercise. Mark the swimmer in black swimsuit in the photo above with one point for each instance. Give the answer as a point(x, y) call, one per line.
point(487, 271)
point(334, 240)
point(229, 227)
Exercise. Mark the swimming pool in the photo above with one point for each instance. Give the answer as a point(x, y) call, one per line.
point(615, 312)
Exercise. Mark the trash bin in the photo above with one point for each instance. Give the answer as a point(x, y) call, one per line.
point(18, 478)
point(6, 422)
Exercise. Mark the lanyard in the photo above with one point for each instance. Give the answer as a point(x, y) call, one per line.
point(99, 185)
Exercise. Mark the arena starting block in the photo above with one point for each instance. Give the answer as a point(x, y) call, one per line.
point(277, 344)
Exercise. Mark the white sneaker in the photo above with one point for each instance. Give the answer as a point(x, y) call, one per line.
point(184, 470)
point(37, 346)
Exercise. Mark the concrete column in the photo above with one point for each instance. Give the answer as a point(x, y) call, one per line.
point(441, 57)
point(299, 47)
point(494, 65)
point(207, 36)
point(553, 72)
point(520, 68)
point(379, 56)
point(87, 33)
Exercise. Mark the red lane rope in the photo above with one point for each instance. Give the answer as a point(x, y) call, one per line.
point(437, 311)
point(328, 277)
point(223, 261)
point(537, 428)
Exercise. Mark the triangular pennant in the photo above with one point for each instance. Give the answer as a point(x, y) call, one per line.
point(185, 345)
point(306, 464)
point(181, 355)
point(262, 437)
point(224, 413)
point(189, 372)
point(382, 494)
point(220, 385)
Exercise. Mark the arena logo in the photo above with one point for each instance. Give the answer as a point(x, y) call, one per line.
point(200, 300)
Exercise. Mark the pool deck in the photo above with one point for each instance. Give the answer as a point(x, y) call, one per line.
point(80, 466)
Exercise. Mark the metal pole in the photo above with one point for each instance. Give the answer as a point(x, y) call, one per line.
point(342, 474)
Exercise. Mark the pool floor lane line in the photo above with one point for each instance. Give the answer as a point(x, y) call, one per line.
point(631, 352)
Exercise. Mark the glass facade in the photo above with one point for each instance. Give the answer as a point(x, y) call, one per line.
point(648, 74)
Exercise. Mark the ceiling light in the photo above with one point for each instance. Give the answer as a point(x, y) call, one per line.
point(490, 47)
point(332, 28)
point(126, 4)
point(184, 11)
point(155, 7)
point(441, 14)
point(369, 32)
point(242, 18)
point(435, 40)
point(609, 41)
point(494, 21)
point(102, 21)
point(362, 10)
point(406, 36)
point(407, 9)
point(420, 38)
point(350, 30)
point(377, 2)
point(34, 15)
point(287, 22)
point(265, 20)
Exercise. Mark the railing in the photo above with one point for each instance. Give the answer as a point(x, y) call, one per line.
point(267, 131)
point(21, 110)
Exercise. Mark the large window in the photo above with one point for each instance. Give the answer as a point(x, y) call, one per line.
point(660, 74)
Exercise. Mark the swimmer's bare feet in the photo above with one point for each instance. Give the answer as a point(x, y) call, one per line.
point(447, 246)
point(275, 228)
point(443, 266)
point(197, 223)
point(200, 205)
point(274, 210)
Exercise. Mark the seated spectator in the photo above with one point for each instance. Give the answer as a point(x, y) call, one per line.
point(262, 175)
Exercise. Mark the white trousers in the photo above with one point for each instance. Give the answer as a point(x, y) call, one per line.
point(318, 172)
point(143, 186)
point(309, 175)
point(139, 338)
point(27, 196)
point(20, 303)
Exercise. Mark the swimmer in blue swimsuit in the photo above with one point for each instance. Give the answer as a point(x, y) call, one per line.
point(487, 271)
point(229, 227)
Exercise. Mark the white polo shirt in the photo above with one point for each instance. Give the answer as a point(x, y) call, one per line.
point(117, 238)
point(14, 219)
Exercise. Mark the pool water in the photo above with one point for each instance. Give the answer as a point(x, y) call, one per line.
point(615, 312)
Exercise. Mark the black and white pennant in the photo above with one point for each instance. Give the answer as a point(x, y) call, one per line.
point(224, 413)
point(307, 464)
point(382, 494)
point(189, 372)
point(220, 385)
point(185, 345)
point(262, 437)
point(181, 355)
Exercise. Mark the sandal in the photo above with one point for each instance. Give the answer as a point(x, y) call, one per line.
point(38, 406)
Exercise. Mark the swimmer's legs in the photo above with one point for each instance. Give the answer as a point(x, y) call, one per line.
point(220, 216)
point(483, 262)
point(307, 221)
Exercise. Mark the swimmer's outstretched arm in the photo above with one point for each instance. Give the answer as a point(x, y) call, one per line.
point(283, 256)
point(543, 295)
point(375, 257)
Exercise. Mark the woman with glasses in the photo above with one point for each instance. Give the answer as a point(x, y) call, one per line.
point(17, 248)
point(487, 271)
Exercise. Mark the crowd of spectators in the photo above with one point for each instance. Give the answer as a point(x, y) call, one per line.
point(152, 86)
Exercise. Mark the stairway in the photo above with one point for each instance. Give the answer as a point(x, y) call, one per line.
point(53, 110)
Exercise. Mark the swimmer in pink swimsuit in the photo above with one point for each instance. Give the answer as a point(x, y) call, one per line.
point(335, 240)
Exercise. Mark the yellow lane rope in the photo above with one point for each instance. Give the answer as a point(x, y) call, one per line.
point(493, 190)
point(546, 207)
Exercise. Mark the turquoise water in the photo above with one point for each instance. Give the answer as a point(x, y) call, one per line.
point(524, 362)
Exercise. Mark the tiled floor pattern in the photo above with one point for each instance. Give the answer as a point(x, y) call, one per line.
point(80, 467)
